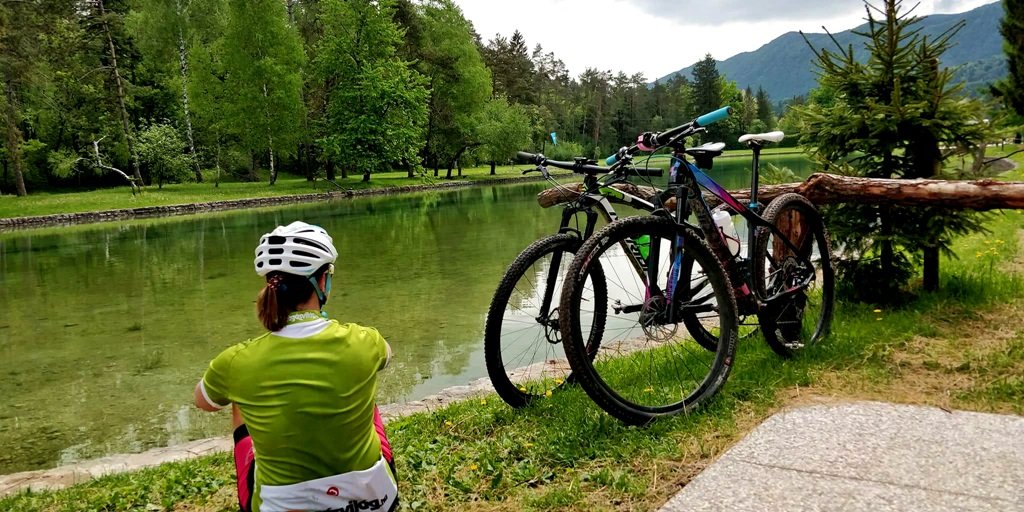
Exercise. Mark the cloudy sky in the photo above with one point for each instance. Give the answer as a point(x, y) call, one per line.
point(657, 37)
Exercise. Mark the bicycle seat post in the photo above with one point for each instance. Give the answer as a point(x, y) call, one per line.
point(754, 175)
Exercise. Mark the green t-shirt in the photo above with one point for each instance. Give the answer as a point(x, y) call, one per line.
point(306, 393)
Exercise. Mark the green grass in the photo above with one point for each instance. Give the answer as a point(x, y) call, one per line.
point(961, 347)
point(45, 203)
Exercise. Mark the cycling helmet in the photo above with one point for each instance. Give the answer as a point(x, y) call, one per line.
point(297, 248)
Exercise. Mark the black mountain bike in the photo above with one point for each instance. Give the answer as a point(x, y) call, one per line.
point(673, 274)
point(522, 340)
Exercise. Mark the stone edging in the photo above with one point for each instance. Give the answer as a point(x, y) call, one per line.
point(63, 219)
point(66, 476)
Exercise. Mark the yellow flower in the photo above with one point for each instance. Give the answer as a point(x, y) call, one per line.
point(547, 393)
point(522, 389)
point(483, 402)
point(472, 467)
point(558, 382)
point(878, 310)
point(648, 389)
point(527, 445)
point(447, 423)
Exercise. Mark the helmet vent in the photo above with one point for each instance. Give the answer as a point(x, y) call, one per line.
point(275, 261)
point(303, 253)
point(299, 264)
point(276, 250)
point(276, 240)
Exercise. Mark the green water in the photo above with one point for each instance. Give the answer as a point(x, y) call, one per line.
point(105, 329)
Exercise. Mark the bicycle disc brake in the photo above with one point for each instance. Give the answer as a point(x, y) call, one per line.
point(652, 320)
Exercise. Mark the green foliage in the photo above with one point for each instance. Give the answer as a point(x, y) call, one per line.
point(459, 82)
point(888, 117)
point(502, 130)
point(1012, 28)
point(565, 150)
point(377, 109)
point(261, 61)
point(162, 152)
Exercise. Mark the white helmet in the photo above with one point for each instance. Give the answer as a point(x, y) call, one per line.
point(297, 248)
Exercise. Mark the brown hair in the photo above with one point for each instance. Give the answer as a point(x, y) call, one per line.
point(280, 297)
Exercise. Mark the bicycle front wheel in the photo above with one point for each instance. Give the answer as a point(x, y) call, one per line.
point(522, 338)
point(646, 364)
point(793, 319)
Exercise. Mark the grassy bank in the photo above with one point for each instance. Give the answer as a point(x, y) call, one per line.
point(45, 203)
point(960, 348)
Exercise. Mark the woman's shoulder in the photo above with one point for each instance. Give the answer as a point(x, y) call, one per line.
point(356, 330)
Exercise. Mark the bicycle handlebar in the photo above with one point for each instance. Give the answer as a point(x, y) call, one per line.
point(651, 141)
point(581, 167)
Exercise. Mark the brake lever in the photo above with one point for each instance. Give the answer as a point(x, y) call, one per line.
point(542, 169)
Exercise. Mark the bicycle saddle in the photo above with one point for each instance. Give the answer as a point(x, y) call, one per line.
point(762, 138)
point(704, 154)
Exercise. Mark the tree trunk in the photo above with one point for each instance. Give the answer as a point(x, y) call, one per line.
point(252, 169)
point(366, 176)
point(183, 64)
point(330, 170)
point(344, 172)
point(492, 167)
point(831, 189)
point(273, 170)
point(125, 123)
point(435, 169)
point(14, 141)
point(449, 176)
point(931, 268)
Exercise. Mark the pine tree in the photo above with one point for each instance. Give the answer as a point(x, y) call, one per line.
point(1012, 27)
point(888, 118)
point(764, 109)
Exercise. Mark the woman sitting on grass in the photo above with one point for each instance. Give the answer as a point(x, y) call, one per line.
point(307, 432)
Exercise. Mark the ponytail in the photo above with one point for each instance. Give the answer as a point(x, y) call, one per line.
point(280, 297)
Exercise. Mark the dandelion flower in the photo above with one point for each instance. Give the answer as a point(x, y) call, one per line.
point(473, 467)
point(878, 310)
point(522, 389)
point(483, 402)
point(447, 423)
point(527, 445)
point(547, 393)
point(558, 382)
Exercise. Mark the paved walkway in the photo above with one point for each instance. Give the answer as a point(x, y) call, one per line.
point(867, 456)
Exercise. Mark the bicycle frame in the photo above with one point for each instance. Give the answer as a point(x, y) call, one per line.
point(691, 179)
point(597, 195)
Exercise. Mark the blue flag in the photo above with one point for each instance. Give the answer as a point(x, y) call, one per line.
point(554, 138)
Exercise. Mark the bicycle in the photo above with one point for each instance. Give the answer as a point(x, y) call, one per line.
point(521, 334)
point(522, 342)
point(789, 256)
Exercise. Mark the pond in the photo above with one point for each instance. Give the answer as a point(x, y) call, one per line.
point(105, 328)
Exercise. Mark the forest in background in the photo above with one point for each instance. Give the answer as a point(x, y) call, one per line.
point(97, 92)
point(175, 90)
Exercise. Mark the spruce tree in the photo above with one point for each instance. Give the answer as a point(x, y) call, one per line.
point(1012, 27)
point(890, 117)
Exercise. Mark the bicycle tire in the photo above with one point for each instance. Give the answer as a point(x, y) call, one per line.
point(785, 325)
point(510, 373)
point(618, 384)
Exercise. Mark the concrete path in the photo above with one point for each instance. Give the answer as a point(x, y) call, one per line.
point(867, 456)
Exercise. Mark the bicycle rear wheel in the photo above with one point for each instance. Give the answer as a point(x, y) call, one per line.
point(803, 318)
point(522, 340)
point(645, 366)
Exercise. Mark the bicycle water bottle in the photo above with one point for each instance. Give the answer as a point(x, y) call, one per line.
point(725, 225)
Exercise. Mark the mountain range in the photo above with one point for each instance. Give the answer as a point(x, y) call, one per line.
point(785, 67)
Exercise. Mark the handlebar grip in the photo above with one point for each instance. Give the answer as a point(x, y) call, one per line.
point(525, 157)
point(611, 160)
point(712, 117)
point(650, 173)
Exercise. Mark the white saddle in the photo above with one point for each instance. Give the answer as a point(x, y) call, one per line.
point(761, 138)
